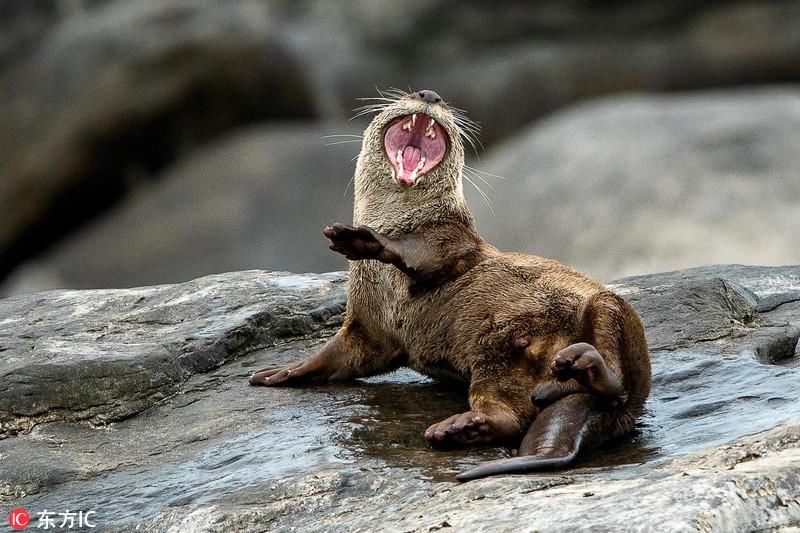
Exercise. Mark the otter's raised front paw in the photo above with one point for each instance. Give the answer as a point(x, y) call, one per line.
point(354, 243)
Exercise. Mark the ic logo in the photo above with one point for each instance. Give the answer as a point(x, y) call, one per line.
point(19, 519)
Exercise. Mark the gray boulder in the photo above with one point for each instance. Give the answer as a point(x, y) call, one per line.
point(100, 97)
point(112, 95)
point(558, 53)
point(133, 403)
point(255, 198)
point(103, 356)
point(639, 183)
point(511, 61)
point(616, 187)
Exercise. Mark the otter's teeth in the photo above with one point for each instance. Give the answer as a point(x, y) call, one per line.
point(399, 160)
point(408, 125)
point(429, 130)
point(414, 119)
point(416, 170)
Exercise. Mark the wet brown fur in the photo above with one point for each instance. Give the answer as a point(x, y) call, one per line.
point(430, 294)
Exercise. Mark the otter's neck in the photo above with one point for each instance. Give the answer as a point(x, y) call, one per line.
point(388, 208)
point(398, 217)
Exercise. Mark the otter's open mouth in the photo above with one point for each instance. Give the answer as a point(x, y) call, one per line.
point(414, 145)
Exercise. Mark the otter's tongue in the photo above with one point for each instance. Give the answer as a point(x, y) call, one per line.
point(414, 144)
point(411, 157)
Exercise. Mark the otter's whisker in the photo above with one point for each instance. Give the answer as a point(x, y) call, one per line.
point(348, 185)
point(486, 173)
point(478, 176)
point(376, 98)
point(368, 109)
point(359, 141)
point(472, 142)
point(483, 195)
point(468, 128)
point(392, 92)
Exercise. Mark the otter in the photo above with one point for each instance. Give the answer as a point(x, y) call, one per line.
point(545, 351)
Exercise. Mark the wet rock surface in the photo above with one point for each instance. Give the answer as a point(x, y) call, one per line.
point(134, 403)
point(106, 355)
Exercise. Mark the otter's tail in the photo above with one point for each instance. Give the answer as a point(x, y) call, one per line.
point(519, 465)
point(553, 440)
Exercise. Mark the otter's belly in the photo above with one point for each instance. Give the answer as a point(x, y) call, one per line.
point(424, 327)
point(443, 371)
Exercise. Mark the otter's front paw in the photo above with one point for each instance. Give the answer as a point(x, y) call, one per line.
point(288, 375)
point(354, 243)
point(318, 368)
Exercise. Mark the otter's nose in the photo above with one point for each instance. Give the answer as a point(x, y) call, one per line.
point(430, 96)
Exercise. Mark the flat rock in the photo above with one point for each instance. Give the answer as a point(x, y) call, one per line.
point(103, 356)
point(134, 403)
point(751, 494)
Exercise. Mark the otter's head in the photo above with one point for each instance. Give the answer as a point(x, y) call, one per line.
point(414, 145)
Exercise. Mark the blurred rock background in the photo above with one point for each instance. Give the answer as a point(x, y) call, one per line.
point(152, 141)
